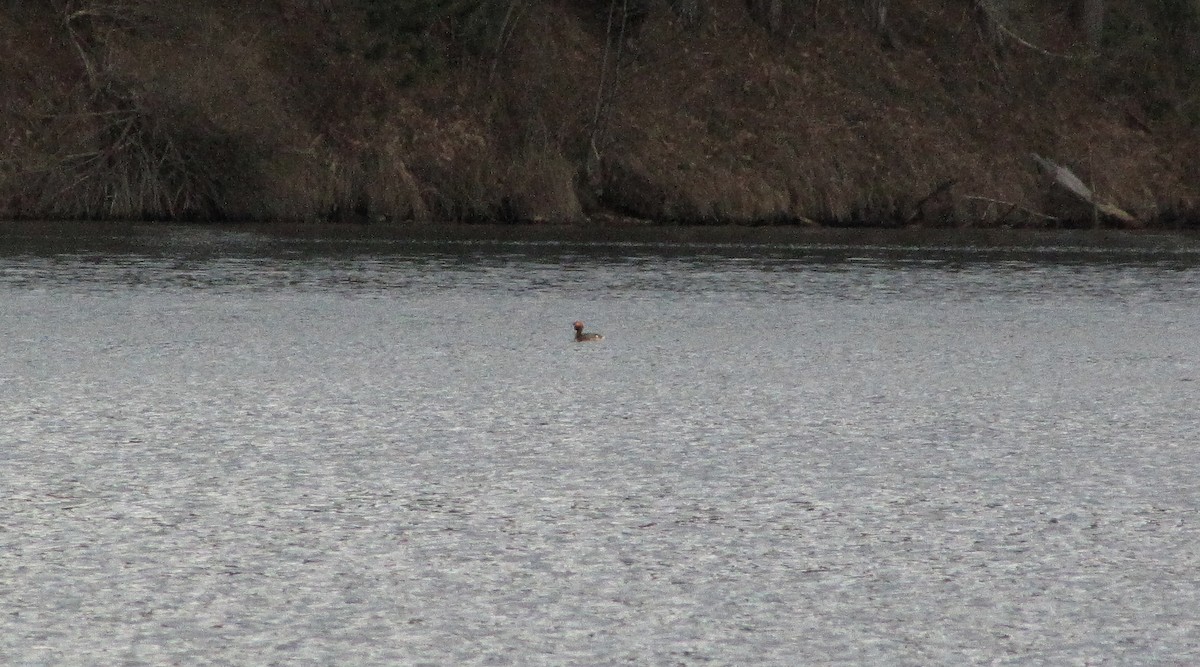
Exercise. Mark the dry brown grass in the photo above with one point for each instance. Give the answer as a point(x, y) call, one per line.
point(541, 187)
point(855, 133)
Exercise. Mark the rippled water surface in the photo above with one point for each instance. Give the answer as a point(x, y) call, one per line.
point(227, 447)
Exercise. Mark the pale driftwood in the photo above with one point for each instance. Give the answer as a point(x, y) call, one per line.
point(1118, 214)
point(1066, 180)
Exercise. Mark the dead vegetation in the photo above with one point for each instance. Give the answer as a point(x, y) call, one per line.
point(695, 111)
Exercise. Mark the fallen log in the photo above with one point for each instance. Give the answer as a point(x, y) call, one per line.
point(1066, 181)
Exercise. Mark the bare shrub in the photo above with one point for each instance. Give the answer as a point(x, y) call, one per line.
point(391, 188)
point(141, 161)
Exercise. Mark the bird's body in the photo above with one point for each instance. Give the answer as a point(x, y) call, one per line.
point(581, 337)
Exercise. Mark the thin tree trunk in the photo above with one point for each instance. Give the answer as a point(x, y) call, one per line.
point(877, 11)
point(1093, 23)
point(775, 16)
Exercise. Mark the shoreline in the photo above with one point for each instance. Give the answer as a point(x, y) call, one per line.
point(634, 233)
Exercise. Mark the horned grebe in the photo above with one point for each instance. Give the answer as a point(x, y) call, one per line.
point(581, 337)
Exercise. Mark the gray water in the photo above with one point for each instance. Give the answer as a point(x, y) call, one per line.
point(226, 447)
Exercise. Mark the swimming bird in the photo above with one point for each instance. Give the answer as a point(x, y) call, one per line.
point(581, 337)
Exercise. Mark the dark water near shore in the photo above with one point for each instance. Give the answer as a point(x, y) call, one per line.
point(229, 446)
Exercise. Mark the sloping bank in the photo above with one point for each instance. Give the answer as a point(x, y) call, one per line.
point(695, 111)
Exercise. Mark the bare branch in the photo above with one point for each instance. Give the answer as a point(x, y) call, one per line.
point(993, 17)
point(1018, 207)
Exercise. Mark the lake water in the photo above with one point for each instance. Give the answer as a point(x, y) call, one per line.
point(227, 446)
